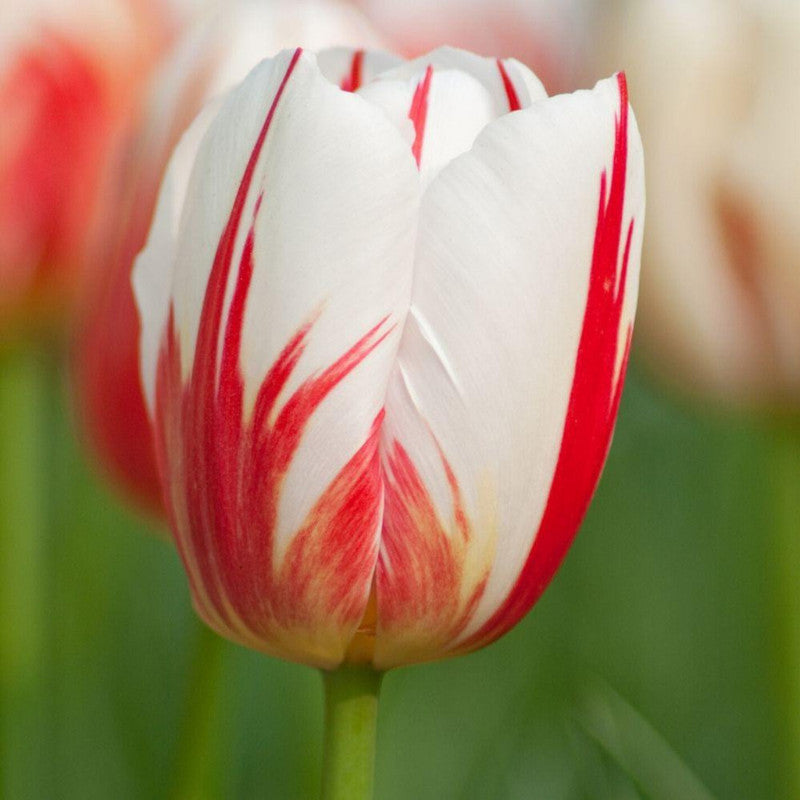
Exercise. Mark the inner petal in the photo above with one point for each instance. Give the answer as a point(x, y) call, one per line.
point(495, 74)
point(438, 112)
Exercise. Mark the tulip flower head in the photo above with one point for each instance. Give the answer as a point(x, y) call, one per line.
point(385, 322)
point(214, 52)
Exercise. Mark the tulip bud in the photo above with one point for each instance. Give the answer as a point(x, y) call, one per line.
point(384, 335)
point(215, 52)
point(70, 78)
point(721, 297)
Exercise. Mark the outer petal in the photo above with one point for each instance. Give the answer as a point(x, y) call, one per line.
point(291, 282)
point(501, 408)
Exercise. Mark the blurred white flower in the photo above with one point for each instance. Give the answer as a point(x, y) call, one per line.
point(715, 87)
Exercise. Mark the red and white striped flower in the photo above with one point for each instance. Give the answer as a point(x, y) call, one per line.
point(384, 338)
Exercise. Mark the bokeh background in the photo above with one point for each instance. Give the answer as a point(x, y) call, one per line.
point(663, 661)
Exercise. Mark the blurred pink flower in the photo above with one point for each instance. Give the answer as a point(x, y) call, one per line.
point(546, 36)
point(70, 78)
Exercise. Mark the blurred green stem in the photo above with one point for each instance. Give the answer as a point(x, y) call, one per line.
point(351, 715)
point(197, 757)
point(785, 482)
point(623, 733)
point(23, 580)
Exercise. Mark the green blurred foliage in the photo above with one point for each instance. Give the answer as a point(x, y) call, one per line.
point(664, 600)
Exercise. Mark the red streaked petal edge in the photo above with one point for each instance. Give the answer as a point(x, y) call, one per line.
point(593, 403)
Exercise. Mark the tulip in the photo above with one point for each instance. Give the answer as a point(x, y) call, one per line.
point(214, 52)
point(384, 335)
point(70, 77)
point(383, 340)
point(721, 298)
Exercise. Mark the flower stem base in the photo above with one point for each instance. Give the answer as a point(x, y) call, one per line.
point(351, 715)
point(197, 760)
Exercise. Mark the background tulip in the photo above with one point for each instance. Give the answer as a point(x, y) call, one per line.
point(717, 103)
point(548, 37)
point(70, 77)
point(383, 341)
point(215, 51)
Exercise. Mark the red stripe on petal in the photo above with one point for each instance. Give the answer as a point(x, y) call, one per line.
point(593, 403)
point(418, 113)
point(308, 397)
point(311, 589)
point(511, 92)
point(329, 556)
point(353, 80)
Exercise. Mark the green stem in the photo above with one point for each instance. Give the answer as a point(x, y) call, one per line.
point(197, 757)
point(785, 483)
point(351, 715)
point(23, 579)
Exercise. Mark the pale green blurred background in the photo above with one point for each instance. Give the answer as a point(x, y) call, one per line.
point(659, 619)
